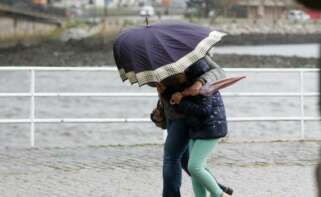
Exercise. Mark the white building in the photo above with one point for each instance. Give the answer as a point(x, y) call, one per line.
point(99, 3)
point(123, 3)
point(111, 3)
point(78, 3)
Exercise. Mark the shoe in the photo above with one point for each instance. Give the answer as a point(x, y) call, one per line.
point(226, 189)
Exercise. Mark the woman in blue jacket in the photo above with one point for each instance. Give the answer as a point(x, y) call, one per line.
point(206, 123)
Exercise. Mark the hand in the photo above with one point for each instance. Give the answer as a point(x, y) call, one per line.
point(194, 89)
point(176, 98)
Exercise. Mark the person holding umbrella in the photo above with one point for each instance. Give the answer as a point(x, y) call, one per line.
point(157, 53)
point(206, 123)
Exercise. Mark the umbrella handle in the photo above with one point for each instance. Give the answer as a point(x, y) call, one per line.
point(146, 20)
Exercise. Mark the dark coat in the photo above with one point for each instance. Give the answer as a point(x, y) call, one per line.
point(205, 116)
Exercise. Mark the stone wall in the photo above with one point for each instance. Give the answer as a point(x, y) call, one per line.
point(11, 28)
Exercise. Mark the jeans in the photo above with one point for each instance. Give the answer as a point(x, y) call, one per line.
point(175, 157)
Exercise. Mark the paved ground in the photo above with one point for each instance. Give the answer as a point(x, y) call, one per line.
point(253, 169)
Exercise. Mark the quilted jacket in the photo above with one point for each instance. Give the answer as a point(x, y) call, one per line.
point(205, 116)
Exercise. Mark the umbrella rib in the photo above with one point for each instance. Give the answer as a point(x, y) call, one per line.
point(175, 38)
point(164, 46)
point(148, 58)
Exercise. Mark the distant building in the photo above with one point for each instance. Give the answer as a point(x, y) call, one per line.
point(123, 3)
point(40, 2)
point(68, 3)
point(166, 3)
point(268, 9)
point(139, 3)
point(99, 3)
point(115, 3)
point(81, 3)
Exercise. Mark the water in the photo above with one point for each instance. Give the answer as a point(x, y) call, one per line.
point(299, 50)
point(67, 134)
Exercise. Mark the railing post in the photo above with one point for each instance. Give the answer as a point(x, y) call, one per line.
point(32, 107)
point(302, 104)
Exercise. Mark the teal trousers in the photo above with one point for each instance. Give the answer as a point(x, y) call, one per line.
point(202, 179)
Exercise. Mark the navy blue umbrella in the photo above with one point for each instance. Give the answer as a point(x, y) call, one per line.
point(152, 53)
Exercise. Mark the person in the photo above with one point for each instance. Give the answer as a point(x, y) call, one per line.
point(176, 153)
point(206, 120)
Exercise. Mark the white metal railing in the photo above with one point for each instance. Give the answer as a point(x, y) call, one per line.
point(33, 94)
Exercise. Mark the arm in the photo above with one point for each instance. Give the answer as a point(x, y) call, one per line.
point(203, 107)
point(215, 73)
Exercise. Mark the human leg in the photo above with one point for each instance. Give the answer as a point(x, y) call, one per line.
point(198, 188)
point(175, 145)
point(202, 179)
point(185, 159)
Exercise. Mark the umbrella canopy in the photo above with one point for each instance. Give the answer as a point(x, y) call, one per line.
point(152, 53)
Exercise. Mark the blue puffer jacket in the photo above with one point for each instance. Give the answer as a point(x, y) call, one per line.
point(205, 116)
